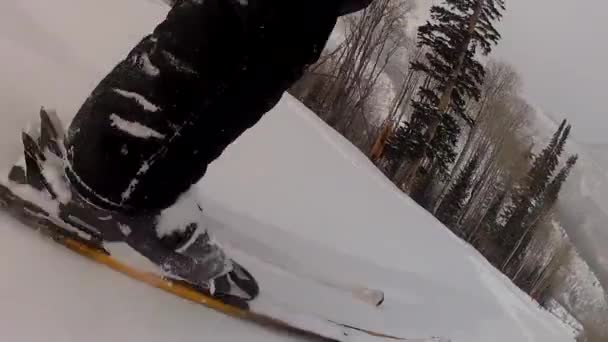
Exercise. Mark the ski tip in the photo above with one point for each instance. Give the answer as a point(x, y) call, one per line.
point(370, 296)
point(380, 301)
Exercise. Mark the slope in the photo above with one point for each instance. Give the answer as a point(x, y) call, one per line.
point(584, 216)
point(290, 195)
point(363, 231)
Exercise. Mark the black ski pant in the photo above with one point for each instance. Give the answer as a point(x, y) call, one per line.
point(206, 74)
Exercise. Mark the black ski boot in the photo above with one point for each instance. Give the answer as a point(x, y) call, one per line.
point(179, 244)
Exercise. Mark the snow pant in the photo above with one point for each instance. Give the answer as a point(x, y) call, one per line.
point(206, 74)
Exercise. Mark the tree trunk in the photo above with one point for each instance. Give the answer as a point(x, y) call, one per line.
point(461, 159)
point(531, 226)
point(397, 106)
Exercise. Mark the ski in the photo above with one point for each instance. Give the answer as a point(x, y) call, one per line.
point(89, 245)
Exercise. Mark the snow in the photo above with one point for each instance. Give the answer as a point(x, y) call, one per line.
point(311, 217)
point(177, 217)
point(51, 295)
point(562, 313)
point(52, 171)
point(140, 99)
point(135, 129)
point(363, 231)
point(145, 167)
point(123, 251)
point(370, 296)
point(178, 64)
point(146, 65)
point(125, 229)
point(30, 194)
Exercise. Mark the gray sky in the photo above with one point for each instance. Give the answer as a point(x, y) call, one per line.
point(559, 48)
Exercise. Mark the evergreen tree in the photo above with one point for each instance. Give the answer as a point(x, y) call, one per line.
point(531, 189)
point(450, 209)
point(549, 199)
point(531, 196)
point(490, 219)
point(540, 174)
point(442, 147)
point(554, 188)
point(422, 190)
point(456, 33)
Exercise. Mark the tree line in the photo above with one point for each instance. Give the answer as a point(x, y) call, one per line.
point(452, 133)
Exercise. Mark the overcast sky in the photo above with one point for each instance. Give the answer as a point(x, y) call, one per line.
point(560, 49)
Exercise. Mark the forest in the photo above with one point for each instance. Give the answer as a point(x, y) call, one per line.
point(447, 123)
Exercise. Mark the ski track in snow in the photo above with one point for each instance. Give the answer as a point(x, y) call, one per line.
point(310, 211)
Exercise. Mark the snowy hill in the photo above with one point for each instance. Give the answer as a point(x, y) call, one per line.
point(291, 192)
point(582, 294)
point(584, 215)
point(599, 152)
point(584, 209)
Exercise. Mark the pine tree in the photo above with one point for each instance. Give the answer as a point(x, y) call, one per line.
point(490, 219)
point(549, 197)
point(531, 197)
point(546, 162)
point(442, 147)
point(450, 209)
point(456, 33)
point(530, 190)
point(554, 188)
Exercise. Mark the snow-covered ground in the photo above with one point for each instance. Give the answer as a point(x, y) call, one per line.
point(565, 316)
point(291, 194)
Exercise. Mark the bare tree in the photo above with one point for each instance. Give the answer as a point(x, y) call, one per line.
point(501, 84)
point(504, 156)
point(400, 106)
point(341, 87)
point(549, 273)
point(454, 35)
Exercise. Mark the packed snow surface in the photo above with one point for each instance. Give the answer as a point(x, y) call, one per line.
point(291, 200)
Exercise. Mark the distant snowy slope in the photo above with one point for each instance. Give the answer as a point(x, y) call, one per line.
point(583, 213)
point(290, 192)
point(583, 205)
point(599, 152)
point(583, 295)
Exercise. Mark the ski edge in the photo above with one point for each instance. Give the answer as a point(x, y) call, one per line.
point(185, 292)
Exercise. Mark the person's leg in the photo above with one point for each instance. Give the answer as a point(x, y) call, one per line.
point(206, 74)
point(140, 108)
point(149, 130)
